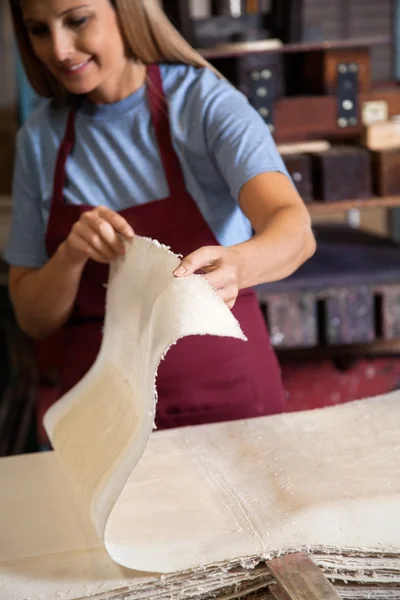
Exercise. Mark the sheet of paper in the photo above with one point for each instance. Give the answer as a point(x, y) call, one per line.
point(325, 479)
point(101, 427)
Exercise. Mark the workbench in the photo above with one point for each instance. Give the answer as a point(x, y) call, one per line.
point(49, 548)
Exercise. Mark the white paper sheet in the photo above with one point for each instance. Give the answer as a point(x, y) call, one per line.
point(101, 427)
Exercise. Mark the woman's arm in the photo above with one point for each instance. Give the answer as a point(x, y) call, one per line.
point(282, 242)
point(283, 238)
point(43, 298)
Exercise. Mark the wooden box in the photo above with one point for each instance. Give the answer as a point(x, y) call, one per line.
point(389, 317)
point(383, 135)
point(341, 173)
point(316, 72)
point(350, 316)
point(259, 76)
point(292, 319)
point(386, 172)
point(299, 167)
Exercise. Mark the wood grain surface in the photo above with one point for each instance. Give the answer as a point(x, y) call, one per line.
point(298, 578)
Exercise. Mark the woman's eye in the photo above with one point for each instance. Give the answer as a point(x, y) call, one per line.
point(38, 31)
point(78, 22)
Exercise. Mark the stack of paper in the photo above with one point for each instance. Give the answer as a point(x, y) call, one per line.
point(208, 505)
point(118, 512)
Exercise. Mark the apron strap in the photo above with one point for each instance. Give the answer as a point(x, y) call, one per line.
point(63, 153)
point(160, 119)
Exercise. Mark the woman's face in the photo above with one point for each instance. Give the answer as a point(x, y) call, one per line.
point(79, 41)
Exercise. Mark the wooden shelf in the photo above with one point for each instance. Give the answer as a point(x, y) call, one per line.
point(324, 208)
point(376, 348)
point(273, 45)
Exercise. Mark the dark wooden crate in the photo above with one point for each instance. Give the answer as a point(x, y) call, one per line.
point(352, 281)
point(299, 168)
point(291, 319)
point(341, 173)
point(349, 316)
point(316, 72)
point(386, 172)
point(331, 317)
point(389, 317)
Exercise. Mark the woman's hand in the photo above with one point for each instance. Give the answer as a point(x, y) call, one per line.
point(98, 235)
point(222, 268)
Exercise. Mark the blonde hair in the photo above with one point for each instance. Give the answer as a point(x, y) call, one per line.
point(148, 34)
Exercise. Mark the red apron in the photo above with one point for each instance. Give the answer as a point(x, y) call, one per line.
point(203, 379)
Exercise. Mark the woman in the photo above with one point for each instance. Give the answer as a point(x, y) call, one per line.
point(142, 137)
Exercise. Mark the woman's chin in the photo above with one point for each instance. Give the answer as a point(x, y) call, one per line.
point(79, 89)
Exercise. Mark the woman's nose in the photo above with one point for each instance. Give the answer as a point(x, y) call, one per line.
point(62, 46)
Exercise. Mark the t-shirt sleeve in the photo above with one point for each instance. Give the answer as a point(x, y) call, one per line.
point(26, 241)
point(238, 138)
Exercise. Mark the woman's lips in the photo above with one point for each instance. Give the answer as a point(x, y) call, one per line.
point(76, 69)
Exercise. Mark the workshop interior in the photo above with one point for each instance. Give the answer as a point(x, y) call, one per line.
point(324, 76)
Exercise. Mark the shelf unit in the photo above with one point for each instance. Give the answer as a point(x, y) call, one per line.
point(315, 209)
point(324, 208)
point(303, 118)
point(290, 111)
point(273, 45)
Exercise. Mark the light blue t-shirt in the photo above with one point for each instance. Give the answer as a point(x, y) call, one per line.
point(221, 141)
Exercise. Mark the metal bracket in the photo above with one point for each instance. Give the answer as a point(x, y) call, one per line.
point(347, 95)
point(262, 94)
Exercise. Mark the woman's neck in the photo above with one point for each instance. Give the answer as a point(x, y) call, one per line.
point(120, 85)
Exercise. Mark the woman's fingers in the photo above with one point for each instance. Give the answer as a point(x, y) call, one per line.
point(229, 295)
point(228, 291)
point(117, 221)
point(99, 234)
point(199, 259)
point(110, 226)
point(219, 267)
point(87, 230)
point(82, 247)
point(222, 276)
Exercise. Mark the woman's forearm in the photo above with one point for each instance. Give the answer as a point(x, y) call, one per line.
point(278, 249)
point(283, 240)
point(43, 298)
